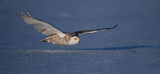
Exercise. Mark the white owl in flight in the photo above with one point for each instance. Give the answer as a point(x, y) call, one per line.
point(56, 36)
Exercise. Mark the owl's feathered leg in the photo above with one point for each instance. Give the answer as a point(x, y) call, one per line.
point(44, 40)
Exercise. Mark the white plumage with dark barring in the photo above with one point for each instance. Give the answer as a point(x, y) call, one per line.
point(56, 36)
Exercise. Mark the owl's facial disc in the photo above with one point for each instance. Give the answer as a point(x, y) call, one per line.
point(74, 40)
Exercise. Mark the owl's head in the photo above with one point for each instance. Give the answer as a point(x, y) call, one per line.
point(74, 40)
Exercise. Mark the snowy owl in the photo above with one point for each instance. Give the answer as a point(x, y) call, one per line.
point(56, 36)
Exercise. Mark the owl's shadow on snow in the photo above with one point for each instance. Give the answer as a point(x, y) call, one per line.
point(124, 47)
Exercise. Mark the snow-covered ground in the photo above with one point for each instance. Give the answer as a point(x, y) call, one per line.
point(127, 61)
point(131, 48)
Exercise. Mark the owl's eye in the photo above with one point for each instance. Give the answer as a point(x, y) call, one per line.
point(75, 38)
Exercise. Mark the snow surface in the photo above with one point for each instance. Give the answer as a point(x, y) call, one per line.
point(131, 48)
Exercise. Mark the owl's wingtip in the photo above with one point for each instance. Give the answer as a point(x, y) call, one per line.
point(115, 26)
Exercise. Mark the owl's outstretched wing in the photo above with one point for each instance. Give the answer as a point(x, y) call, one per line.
point(93, 31)
point(41, 26)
